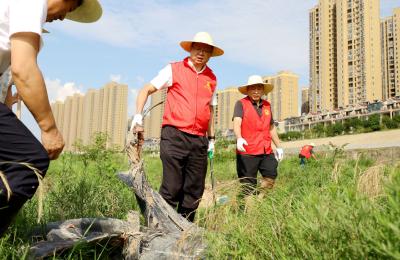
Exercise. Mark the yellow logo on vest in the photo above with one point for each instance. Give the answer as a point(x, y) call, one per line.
point(266, 112)
point(209, 86)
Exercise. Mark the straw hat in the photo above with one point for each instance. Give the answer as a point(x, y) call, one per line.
point(88, 12)
point(256, 80)
point(202, 37)
point(311, 144)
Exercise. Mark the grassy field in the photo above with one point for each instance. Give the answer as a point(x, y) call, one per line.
point(331, 209)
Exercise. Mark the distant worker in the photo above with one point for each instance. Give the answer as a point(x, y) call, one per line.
point(188, 127)
point(306, 153)
point(254, 129)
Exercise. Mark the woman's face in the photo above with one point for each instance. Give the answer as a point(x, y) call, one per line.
point(255, 92)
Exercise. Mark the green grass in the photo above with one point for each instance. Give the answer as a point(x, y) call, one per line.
point(313, 213)
point(73, 191)
point(321, 211)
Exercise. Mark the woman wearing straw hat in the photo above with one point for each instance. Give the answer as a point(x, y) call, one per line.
point(21, 28)
point(254, 129)
point(187, 122)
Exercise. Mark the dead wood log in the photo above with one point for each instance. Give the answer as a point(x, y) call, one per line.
point(178, 238)
point(167, 235)
point(64, 235)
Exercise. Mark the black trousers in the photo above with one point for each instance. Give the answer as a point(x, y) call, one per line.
point(17, 144)
point(247, 167)
point(184, 159)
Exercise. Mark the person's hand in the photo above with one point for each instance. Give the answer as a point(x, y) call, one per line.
point(279, 153)
point(211, 146)
point(14, 99)
point(137, 121)
point(53, 142)
point(240, 144)
point(11, 99)
point(139, 130)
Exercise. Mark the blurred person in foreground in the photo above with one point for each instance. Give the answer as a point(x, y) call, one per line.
point(21, 28)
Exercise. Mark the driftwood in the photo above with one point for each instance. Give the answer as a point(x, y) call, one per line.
point(67, 234)
point(166, 234)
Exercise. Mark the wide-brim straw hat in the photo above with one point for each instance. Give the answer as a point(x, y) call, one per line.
point(202, 37)
point(88, 12)
point(256, 80)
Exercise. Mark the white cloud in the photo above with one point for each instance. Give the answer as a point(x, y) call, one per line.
point(269, 34)
point(115, 78)
point(257, 32)
point(59, 92)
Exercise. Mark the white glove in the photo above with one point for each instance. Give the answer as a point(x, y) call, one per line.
point(137, 120)
point(211, 146)
point(279, 153)
point(239, 144)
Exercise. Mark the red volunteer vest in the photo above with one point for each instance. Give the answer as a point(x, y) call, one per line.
point(306, 151)
point(255, 129)
point(188, 99)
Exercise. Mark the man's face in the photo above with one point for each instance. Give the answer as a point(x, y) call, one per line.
point(58, 9)
point(255, 92)
point(200, 53)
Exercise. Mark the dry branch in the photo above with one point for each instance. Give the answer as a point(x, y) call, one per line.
point(167, 235)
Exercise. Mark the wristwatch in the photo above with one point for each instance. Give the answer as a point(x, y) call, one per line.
point(211, 137)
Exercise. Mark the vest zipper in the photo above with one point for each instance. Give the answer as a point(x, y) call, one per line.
point(197, 90)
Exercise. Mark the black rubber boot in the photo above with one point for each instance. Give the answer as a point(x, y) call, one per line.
point(189, 214)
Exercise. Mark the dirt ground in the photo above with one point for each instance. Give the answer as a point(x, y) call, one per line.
point(379, 139)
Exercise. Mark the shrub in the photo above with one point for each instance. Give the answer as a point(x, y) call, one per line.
point(396, 118)
point(319, 130)
point(334, 129)
point(352, 124)
point(373, 123)
point(291, 136)
point(389, 123)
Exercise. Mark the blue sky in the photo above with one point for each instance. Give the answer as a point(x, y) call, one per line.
point(135, 39)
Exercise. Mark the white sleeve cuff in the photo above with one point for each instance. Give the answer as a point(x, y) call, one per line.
point(214, 101)
point(27, 16)
point(163, 79)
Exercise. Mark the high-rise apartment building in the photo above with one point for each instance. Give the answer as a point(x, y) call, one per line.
point(117, 113)
point(223, 113)
point(103, 110)
point(89, 119)
point(390, 36)
point(359, 51)
point(345, 54)
point(323, 63)
point(284, 96)
point(58, 112)
point(153, 121)
point(304, 101)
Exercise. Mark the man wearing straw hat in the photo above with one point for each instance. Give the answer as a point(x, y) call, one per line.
point(21, 27)
point(254, 129)
point(187, 129)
